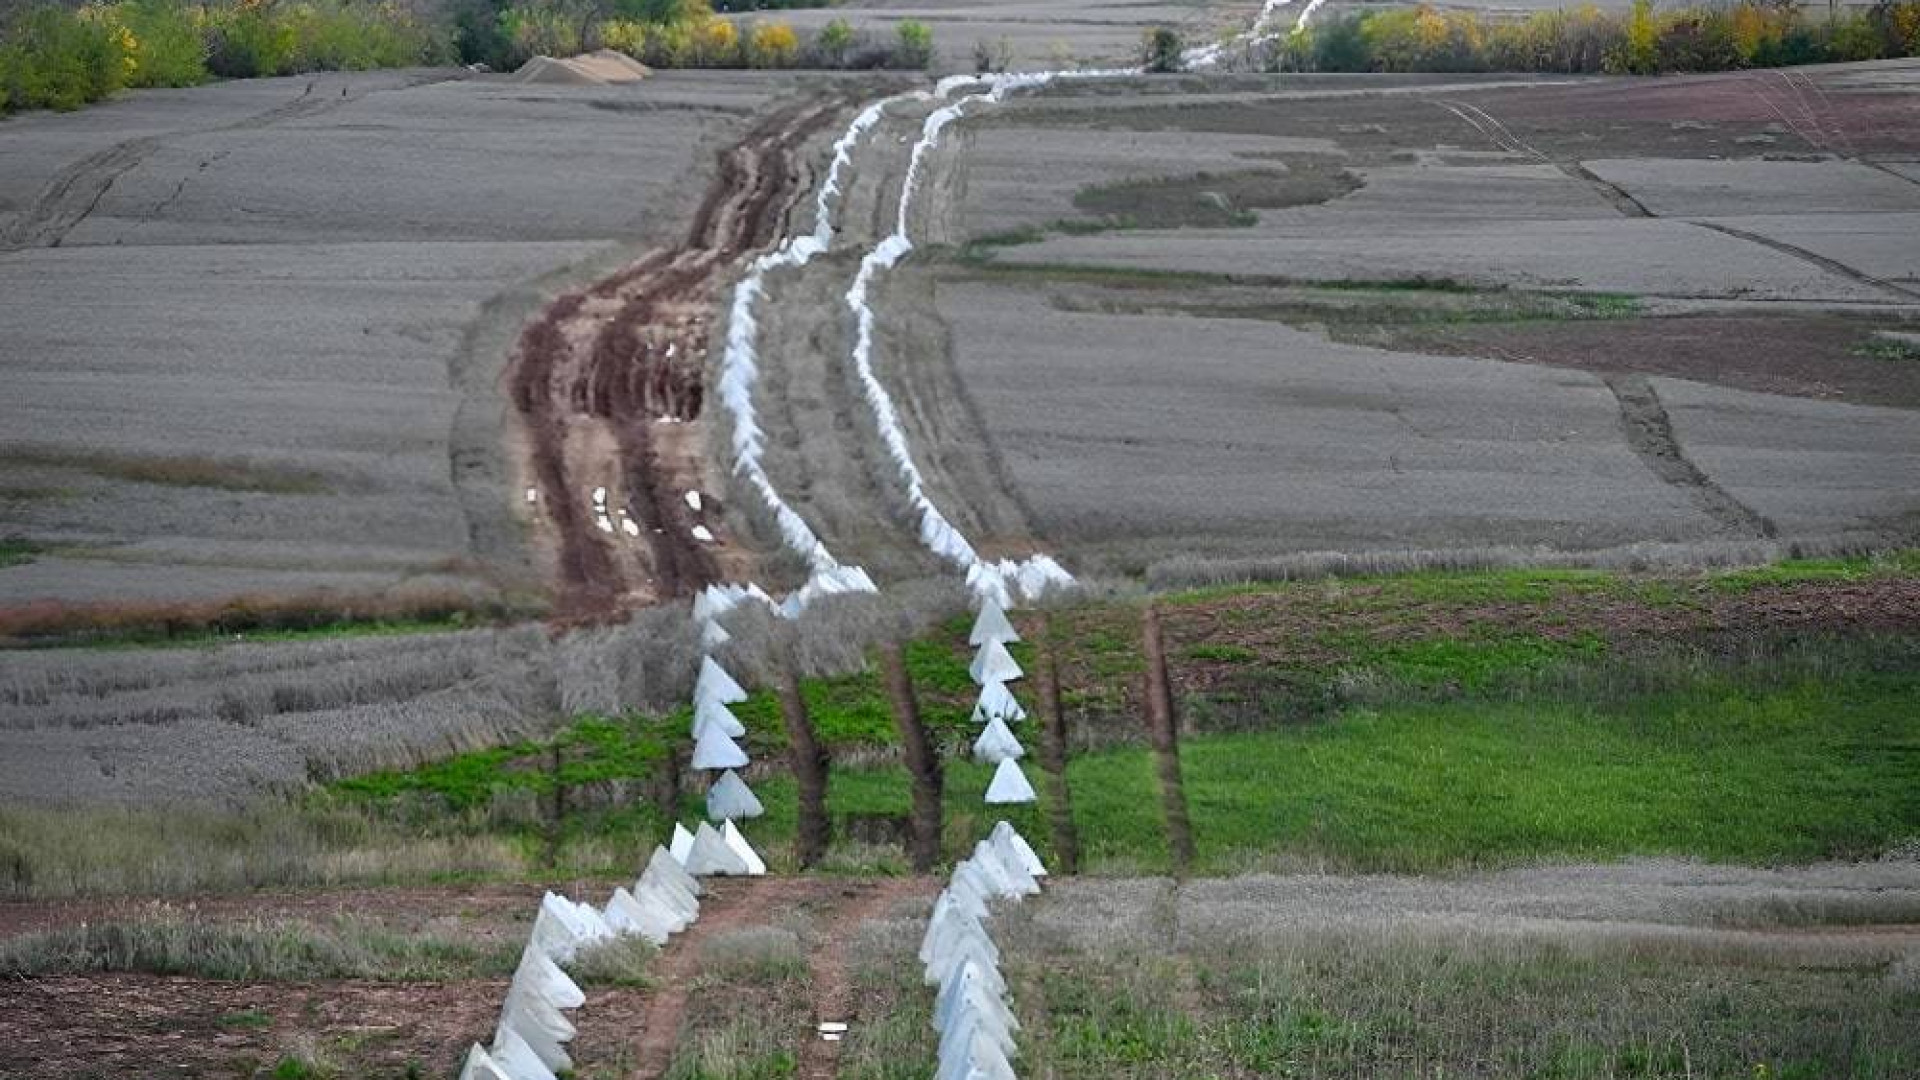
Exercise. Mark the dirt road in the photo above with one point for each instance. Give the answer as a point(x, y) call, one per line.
point(607, 386)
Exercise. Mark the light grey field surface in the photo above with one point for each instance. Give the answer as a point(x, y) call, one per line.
point(1028, 35)
point(1152, 384)
point(313, 282)
point(1131, 432)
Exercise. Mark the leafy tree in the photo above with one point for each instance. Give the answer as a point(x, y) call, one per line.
point(773, 45)
point(833, 42)
point(916, 43)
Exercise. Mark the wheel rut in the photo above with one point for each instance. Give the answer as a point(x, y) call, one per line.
point(76, 191)
point(1650, 435)
point(608, 382)
point(840, 906)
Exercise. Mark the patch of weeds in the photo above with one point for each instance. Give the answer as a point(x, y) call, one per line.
point(21, 493)
point(1814, 570)
point(1211, 200)
point(624, 962)
point(1890, 350)
point(1223, 653)
point(17, 552)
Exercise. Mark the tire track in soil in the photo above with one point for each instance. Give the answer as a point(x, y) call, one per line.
point(832, 989)
point(76, 191)
point(843, 906)
point(605, 381)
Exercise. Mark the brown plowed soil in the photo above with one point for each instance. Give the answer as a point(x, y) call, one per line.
point(608, 387)
point(1808, 355)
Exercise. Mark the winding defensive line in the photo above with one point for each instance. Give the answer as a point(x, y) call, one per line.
point(1004, 580)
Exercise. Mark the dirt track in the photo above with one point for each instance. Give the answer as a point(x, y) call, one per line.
point(608, 382)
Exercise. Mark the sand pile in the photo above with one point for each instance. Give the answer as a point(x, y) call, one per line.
point(602, 68)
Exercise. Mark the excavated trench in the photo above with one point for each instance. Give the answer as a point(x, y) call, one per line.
point(608, 385)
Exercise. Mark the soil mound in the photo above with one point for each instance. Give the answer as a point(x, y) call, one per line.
point(603, 68)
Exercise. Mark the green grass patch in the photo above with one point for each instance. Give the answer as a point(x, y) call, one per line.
point(17, 552)
point(1822, 770)
point(1888, 350)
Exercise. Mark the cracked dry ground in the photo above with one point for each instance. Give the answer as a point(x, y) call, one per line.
point(607, 387)
point(121, 1024)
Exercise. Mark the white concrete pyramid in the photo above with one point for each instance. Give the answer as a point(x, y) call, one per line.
point(967, 978)
point(1014, 846)
point(538, 974)
point(729, 799)
point(944, 912)
point(997, 878)
point(558, 929)
point(679, 908)
point(711, 855)
point(714, 750)
point(965, 947)
point(1009, 785)
point(543, 1029)
point(713, 635)
point(731, 834)
point(993, 663)
point(681, 845)
point(996, 744)
point(997, 701)
point(516, 1059)
point(1006, 882)
point(631, 917)
point(708, 713)
point(714, 684)
point(662, 866)
point(481, 1066)
point(973, 901)
point(969, 1050)
point(964, 938)
point(953, 1006)
point(714, 601)
point(1011, 865)
point(596, 923)
point(992, 625)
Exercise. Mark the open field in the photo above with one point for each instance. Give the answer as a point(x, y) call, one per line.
point(1546, 241)
point(1515, 476)
point(236, 369)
